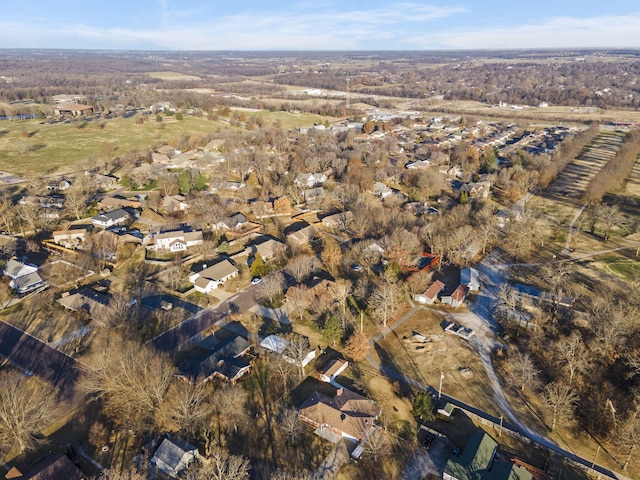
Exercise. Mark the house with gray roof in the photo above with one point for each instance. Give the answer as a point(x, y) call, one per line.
point(109, 219)
point(210, 278)
point(176, 241)
point(24, 277)
point(173, 456)
point(225, 361)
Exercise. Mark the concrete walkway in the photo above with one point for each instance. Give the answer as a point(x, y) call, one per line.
point(280, 315)
point(329, 467)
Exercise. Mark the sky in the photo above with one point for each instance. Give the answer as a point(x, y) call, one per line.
point(318, 25)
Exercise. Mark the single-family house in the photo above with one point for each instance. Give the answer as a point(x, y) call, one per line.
point(53, 467)
point(430, 294)
point(94, 304)
point(334, 368)
point(160, 158)
point(418, 165)
point(268, 249)
point(173, 456)
point(214, 145)
point(282, 347)
point(381, 190)
point(228, 185)
point(478, 461)
point(470, 277)
point(117, 201)
point(234, 222)
point(175, 203)
point(347, 415)
point(338, 220)
point(71, 236)
point(311, 195)
point(210, 278)
point(104, 182)
point(109, 219)
point(455, 297)
point(24, 277)
point(225, 361)
point(477, 189)
point(302, 236)
point(176, 241)
point(310, 180)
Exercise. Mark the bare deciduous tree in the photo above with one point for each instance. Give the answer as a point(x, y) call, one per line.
point(186, 408)
point(377, 445)
point(290, 424)
point(271, 286)
point(297, 350)
point(132, 380)
point(572, 354)
point(26, 406)
point(560, 400)
point(524, 370)
point(298, 299)
point(384, 301)
point(221, 465)
point(302, 266)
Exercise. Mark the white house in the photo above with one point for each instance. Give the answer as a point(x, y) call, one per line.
point(173, 456)
point(470, 277)
point(333, 369)
point(210, 278)
point(310, 180)
point(381, 190)
point(430, 294)
point(24, 277)
point(109, 219)
point(279, 345)
point(176, 241)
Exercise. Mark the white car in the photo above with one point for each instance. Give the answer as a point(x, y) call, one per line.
point(255, 280)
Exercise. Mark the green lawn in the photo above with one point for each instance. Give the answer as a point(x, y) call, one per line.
point(27, 147)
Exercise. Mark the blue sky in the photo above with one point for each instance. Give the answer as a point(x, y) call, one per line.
point(318, 25)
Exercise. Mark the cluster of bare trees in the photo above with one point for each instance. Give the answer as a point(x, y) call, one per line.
point(616, 171)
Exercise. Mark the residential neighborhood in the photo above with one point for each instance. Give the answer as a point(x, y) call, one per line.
point(278, 282)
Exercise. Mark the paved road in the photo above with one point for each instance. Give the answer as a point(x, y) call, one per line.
point(29, 353)
point(238, 303)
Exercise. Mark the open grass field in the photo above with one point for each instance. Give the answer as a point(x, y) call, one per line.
point(172, 76)
point(29, 148)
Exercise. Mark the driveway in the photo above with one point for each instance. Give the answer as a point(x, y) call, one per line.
point(32, 354)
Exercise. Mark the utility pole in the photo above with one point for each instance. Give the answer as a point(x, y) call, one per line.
point(440, 388)
point(347, 105)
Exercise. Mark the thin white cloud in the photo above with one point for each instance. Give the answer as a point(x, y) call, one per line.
point(554, 32)
point(298, 27)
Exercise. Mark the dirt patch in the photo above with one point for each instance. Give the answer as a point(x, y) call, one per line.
point(465, 377)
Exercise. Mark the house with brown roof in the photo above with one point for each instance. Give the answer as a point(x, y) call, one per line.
point(302, 236)
point(456, 297)
point(430, 294)
point(268, 249)
point(333, 369)
point(348, 414)
point(52, 467)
